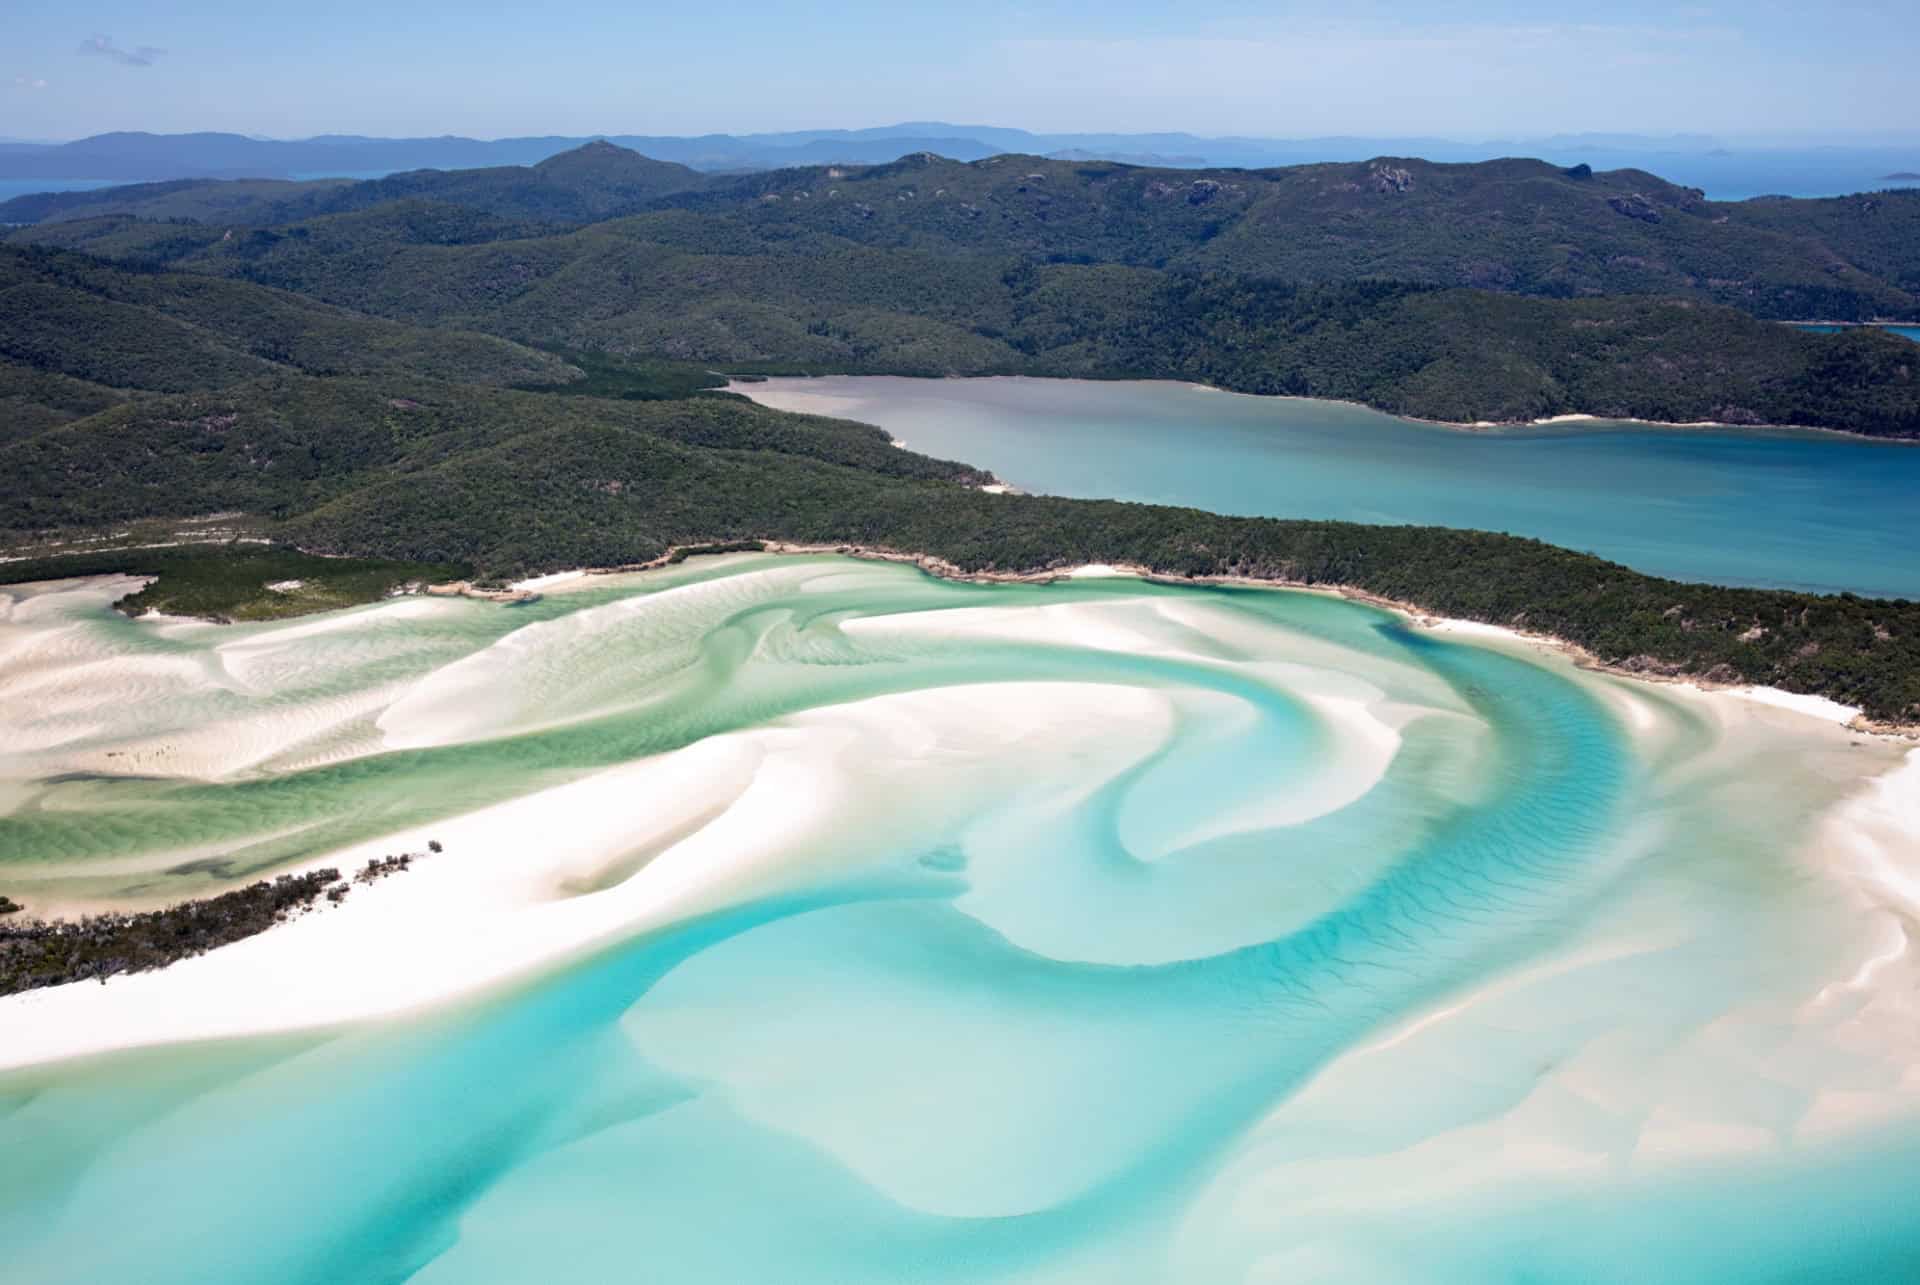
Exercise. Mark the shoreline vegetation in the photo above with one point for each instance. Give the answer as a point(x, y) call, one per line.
point(38, 952)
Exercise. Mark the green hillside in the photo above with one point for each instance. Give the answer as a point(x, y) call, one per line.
point(66, 317)
point(282, 445)
point(34, 400)
point(1518, 226)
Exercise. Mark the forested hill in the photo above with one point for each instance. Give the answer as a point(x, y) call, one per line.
point(78, 335)
point(1519, 226)
point(1514, 226)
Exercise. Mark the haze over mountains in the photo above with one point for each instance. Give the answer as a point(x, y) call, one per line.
point(1697, 160)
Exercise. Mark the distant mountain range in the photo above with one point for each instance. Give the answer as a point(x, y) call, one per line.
point(1514, 226)
point(1693, 159)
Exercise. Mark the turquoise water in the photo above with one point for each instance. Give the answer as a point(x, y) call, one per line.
point(1907, 332)
point(1781, 508)
point(1140, 934)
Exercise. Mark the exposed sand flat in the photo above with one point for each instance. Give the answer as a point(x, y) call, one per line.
point(1362, 737)
point(532, 677)
point(493, 905)
point(222, 702)
point(1108, 626)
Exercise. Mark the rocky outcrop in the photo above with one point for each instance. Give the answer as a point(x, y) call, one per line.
point(1636, 206)
point(1201, 191)
point(1386, 178)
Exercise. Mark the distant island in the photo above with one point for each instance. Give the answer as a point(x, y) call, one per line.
point(138, 156)
point(1904, 176)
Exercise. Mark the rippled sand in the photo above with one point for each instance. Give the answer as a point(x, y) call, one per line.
point(803, 919)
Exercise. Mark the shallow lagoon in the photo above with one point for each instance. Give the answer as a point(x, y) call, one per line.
point(1786, 508)
point(1094, 932)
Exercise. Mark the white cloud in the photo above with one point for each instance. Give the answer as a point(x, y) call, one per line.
point(28, 82)
point(100, 46)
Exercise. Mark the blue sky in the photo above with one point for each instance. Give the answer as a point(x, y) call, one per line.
point(1470, 69)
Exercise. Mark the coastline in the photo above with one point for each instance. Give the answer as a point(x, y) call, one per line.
point(1414, 614)
point(531, 589)
point(745, 388)
point(530, 884)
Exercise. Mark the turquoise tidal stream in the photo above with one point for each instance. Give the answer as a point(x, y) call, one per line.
point(1780, 508)
point(1278, 941)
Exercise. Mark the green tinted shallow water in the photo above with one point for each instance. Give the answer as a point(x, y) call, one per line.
point(1328, 951)
point(1781, 508)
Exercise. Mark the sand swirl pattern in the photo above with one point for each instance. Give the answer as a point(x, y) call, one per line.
point(811, 920)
